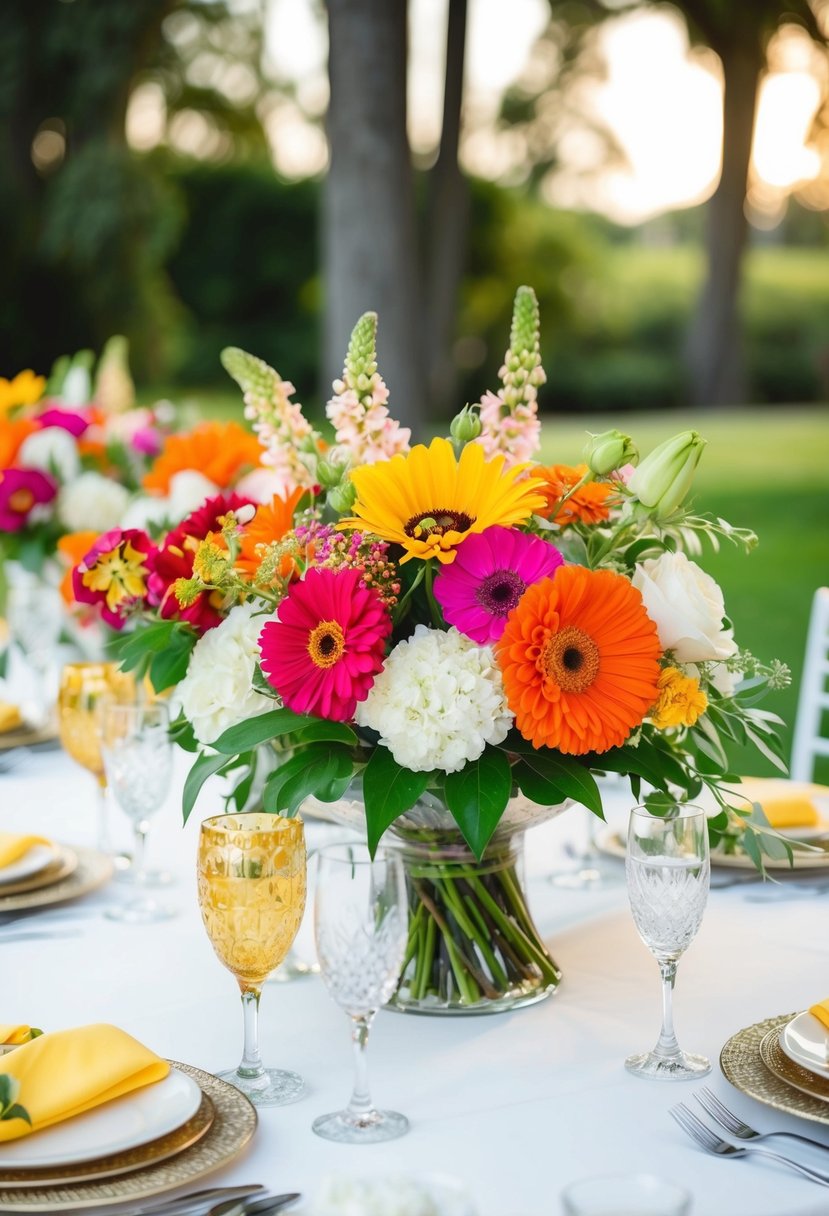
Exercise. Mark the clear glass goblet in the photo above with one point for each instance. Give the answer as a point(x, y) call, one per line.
point(85, 688)
point(35, 616)
point(138, 761)
point(251, 881)
point(360, 925)
point(668, 872)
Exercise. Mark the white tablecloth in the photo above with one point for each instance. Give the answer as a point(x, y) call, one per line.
point(516, 1105)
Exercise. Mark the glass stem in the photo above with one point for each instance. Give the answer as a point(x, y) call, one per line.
point(104, 842)
point(251, 1065)
point(360, 1104)
point(139, 859)
point(667, 1045)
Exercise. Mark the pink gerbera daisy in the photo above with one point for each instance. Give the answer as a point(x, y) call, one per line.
point(491, 572)
point(327, 645)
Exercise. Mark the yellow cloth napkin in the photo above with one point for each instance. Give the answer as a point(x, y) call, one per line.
point(821, 1012)
point(67, 1072)
point(12, 847)
point(787, 804)
point(10, 717)
point(11, 1035)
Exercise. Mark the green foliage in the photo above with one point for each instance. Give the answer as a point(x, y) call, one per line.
point(10, 1108)
point(161, 650)
point(477, 796)
point(388, 791)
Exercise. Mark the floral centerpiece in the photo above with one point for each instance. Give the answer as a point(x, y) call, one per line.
point(449, 641)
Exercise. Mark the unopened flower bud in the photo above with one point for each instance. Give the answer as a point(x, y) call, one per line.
point(343, 496)
point(330, 473)
point(465, 426)
point(664, 477)
point(608, 451)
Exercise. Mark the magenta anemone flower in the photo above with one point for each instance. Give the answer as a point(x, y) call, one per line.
point(72, 421)
point(20, 491)
point(327, 645)
point(113, 574)
point(490, 573)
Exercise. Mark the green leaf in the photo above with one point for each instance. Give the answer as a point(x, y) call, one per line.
point(313, 768)
point(253, 731)
point(388, 791)
point(17, 1112)
point(168, 667)
point(477, 795)
point(660, 803)
point(206, 766)
point(242, 792)
point(322, 731)
point(752, 847)
point(9, 1089)
point(554, 777)
point(181, 733)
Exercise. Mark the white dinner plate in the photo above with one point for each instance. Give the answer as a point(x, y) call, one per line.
point(756, 788)
point(35, 859)
point(122, 1124)
point(804, 1039)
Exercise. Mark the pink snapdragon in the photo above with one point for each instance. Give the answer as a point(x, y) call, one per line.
point(365, 432)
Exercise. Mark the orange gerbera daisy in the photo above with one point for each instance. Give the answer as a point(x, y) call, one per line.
point(73, 548)
point(222, 451)
point(589, 504)
point(271, 521)
point(12, 433)
point(580, 660)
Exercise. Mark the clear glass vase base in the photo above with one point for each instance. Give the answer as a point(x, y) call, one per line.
point(684, 1066)
point(517, 998)
point(371, 1128)
point(273, 1087)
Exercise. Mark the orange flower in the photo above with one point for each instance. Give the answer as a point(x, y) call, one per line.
point(12, 434)
point(580, 660)
point(73, 547)
point(589, 504)
point(222, 451)
point(270, 523)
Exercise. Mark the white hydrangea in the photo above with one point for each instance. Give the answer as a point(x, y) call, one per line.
point(216, 692)
point(188, 490)
point(92, 503)
point(52, 449)
point(437, 702)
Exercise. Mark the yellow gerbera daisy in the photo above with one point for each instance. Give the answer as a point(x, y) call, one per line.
point(428, 501)
point(25, 389)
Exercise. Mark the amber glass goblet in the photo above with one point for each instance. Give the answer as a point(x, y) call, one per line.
point(252, 879)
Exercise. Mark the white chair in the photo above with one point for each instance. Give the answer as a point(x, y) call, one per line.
point(813, 701)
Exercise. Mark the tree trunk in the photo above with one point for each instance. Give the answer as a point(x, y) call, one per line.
point(447, 218)
point(369, 242)
point(715, 360)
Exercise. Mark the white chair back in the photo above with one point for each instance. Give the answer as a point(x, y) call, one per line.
point(813, 701)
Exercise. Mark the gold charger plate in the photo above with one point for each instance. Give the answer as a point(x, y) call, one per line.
point(92, 871)
point(65, 863)
point(27, 736)
point(233, 1125)
point(117, 1163)
point(743, 1065)
point(776, 1061)
point(613, 845)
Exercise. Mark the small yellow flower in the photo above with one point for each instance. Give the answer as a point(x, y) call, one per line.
point(210, 563)
point(681, 700)
point(25, 389)
point(121, 574)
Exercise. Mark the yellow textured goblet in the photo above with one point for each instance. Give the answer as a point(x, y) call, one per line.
point(85, 688)
point(252, 879)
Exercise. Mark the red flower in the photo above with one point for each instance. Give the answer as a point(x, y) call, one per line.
point(174, 560)
point(113, 574)
point(327, 645)
point(20, 491)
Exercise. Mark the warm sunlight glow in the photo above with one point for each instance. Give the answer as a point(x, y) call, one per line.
point(787, 107)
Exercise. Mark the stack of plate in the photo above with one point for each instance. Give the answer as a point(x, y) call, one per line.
point(784, 1062)
point(49, 874)
point(163, 1136)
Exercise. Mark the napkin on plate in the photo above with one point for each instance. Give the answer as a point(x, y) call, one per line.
point(13, 847)
point(787, 804)
point(67, 1072)
point(821, 1012)
point(10, 717)
point(13, 1036)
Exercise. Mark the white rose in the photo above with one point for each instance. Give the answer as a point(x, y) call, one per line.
point(52, 449)
point(217, 691)
point(145, 512)
point(687, 607)
point(92, 503)
point(260, 485)
point(188, 490)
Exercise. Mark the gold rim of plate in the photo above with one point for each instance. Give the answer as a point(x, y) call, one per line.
point(93, 869)
point(613, 845)
point(117, 1164)
point(233, 1125)
point(27, 736)
point(65, 863)
point(743, 1064)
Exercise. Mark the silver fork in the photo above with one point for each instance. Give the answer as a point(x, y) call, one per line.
point(709, 1101)
point(711, 1142)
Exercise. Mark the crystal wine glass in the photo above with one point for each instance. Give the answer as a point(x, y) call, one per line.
point(251, 878)
point(35, 617)
point(138, 761)
point(84, 690)
point(668, 870)
point(360, 925)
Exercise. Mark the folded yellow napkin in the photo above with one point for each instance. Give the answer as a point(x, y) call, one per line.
point(10, 717)
point(12, 847)
point(821, 1012)
point(11, 1035)
point(786, 804)
point(67, 1072)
